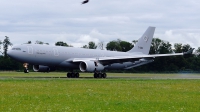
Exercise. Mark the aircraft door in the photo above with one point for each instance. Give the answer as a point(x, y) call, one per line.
point(30, 49)
point(55, 52)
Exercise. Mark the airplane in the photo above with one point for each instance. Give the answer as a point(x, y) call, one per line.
point(45, 58)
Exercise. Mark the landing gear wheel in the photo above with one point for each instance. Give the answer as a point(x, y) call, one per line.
point(104, 75)
point(26, 70)
point(76, 75)
point(69, 75)
point(73, 75)
point(99, 75)
point(95, 75)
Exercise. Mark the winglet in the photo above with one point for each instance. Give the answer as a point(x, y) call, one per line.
point(189, 51)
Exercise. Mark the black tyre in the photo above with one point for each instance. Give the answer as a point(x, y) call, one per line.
point(73, 75)
point(104, 75)
point(26, 71)
point(68, 75)
point(77, 75)
point(99, 75)
point(95, 75)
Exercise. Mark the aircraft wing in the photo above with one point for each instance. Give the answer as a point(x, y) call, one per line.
point(120, 59)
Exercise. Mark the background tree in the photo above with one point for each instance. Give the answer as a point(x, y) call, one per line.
point(29, 42)
point(7, 63)
point(0, 46)
point(100, 45)
point(119, 45)
point(125, 46)
point(85, 46)
point(182, 62)
point(134, 42)
point(197, 52)
point(114, 45)
point(155, 45)
point(39, 42)
point(165, 48)
point(6, 44)
point(164, 62)
point(61, 43)
point(186, 47)
point(92, 45)
point(178, 48)
point(159, 46)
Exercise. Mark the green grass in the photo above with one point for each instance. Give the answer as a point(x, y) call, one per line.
point(88, 94)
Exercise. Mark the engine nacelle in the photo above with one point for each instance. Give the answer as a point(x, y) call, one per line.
point(90, 66)
point(41, 68)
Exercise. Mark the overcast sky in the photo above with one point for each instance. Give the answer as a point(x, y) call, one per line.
point(176, 21)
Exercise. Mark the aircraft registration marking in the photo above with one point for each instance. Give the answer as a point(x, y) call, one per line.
point(139, 47)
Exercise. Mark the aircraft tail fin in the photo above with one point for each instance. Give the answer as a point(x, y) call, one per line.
point(144, 43)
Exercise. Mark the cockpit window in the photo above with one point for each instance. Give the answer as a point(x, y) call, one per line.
point(16, 48)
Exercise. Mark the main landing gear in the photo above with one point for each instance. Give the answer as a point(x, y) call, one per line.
point(73, 75)
point(76, 75)
point(26, 68)
point(100, 75)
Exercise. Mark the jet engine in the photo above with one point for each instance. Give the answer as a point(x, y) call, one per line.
point(90, 66)
point(41, 68)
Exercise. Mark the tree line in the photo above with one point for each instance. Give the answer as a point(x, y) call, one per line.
point(189, 63)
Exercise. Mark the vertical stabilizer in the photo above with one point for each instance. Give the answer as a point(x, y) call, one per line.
point(144, 43)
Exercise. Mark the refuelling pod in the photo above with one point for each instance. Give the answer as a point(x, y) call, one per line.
point(90, 66)
point(139, 63)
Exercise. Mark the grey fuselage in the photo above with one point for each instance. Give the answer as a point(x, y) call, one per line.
point(58, 56)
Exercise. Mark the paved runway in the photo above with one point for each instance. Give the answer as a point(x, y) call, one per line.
point(112, 76)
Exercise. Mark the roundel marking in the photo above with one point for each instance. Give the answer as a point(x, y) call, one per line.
point(146, 38)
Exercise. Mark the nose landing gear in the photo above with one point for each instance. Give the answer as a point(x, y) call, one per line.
point(26, 68)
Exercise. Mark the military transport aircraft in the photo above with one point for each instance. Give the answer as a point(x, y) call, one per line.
point(45, 58)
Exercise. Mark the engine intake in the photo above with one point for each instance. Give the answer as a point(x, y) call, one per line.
point(90, 66)
point(41, 68)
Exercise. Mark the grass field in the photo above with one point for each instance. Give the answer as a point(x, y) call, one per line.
point(88, 94)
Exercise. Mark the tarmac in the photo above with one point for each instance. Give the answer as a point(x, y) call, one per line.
point(123, 76)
